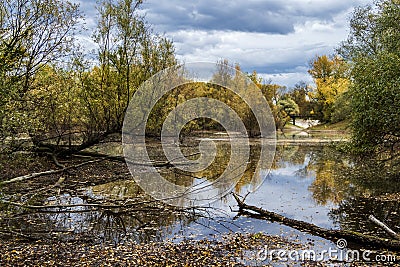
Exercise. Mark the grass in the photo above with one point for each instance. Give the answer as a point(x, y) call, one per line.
point(338, 126)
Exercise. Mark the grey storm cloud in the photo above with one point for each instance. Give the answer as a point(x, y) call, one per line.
point(219, 15)
point(277, 17)
point(274, 37)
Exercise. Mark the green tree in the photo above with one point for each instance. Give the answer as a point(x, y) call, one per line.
point(36, 32)
point(129, 53)
point(33, 33)
point(300, 94)
point(373, 48)
point(55, 105)
point(286, 108)
point(341, 108)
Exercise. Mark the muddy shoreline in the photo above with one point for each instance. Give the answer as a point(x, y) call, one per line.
point(32, 246)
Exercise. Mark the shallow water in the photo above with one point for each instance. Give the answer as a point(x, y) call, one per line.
point(312, 183)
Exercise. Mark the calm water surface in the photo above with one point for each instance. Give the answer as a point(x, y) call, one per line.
point(312, 183)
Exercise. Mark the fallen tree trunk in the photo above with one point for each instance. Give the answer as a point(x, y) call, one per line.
point(166, 164)
point(49, 172)
point(389, 231)
point(66, 150)
point(66, 206)
point(159, 164)
point(333, 235)
point(98, 155)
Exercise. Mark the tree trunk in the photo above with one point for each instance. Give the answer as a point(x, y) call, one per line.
point(333, 235)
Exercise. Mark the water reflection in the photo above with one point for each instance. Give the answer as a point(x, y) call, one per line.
point(345, 191)
point(140, 224)
point(316, 184)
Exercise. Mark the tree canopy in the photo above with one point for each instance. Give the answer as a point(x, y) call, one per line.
point(330, 77)
point(51, 91)
point(373, 50)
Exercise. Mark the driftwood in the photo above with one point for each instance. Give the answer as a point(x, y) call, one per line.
point(333, 235)
point(157, 164)
point(53, 156)
point(389, 231)
point(98, 155)
point(49, 172)
point(160, 164)
point(42, 146)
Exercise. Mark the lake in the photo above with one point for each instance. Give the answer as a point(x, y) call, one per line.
point(308, 181)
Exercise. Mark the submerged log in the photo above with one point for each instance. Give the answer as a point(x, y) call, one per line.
point(333, 235)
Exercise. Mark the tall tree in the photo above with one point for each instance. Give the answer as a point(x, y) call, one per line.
point(129, 53)
point(373, 48)
point(286, 108)
point(300, 94)
point(33, 33)
point(37, 32)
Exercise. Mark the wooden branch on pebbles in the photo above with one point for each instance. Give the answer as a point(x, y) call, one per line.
point(333, 235)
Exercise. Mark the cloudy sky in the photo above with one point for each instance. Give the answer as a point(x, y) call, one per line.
point(275, 38)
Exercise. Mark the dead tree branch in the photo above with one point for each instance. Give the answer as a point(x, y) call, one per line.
point(49, 172)
point(389, 231)
point(333, 235)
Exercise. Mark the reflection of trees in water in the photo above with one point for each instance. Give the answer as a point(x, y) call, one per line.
point(339, 178)
point(215, 170)
point(140, 223)
point(371, 191)
point(352, 214)
point(323, 163)
point(356, 187)
point(317, 162)
point(247, 177)
point(328, 185)
point(289, 155)
point(118, 190)
point(110, 226)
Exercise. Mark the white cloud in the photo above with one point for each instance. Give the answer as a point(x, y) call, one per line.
point(283, 58)
point(275, 38)
point(288, 79)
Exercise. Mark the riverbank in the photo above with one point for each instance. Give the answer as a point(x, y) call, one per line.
point(309, 133)
point(233, 250)
point(90, 224)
